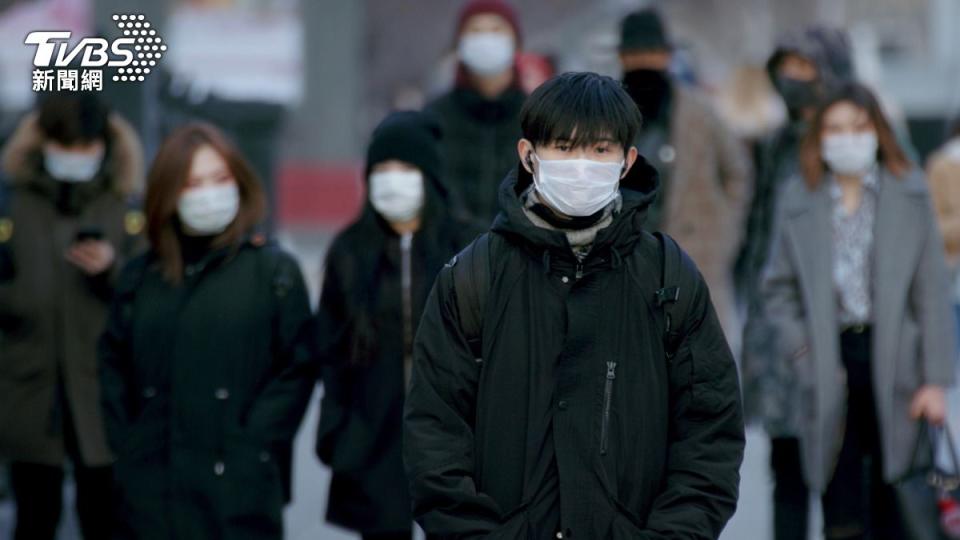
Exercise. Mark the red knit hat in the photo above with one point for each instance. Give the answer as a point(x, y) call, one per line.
point(496, 7)
point(477, 7)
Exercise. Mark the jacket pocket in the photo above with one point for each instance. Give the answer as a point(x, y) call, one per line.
point(624, 525)
point(908, 374)
point(607, 402)
point(252, 491)
point(516, 527)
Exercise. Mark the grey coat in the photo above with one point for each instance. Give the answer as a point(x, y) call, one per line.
point(913, 324)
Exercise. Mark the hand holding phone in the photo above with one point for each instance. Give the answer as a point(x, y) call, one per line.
point(90, 253)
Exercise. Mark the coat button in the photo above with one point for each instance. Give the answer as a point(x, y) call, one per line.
point(189, 271)
point(149, 392)
point(565, 279)
point(264, 457)
point(562, 404)
point(219, 468)
point(222, 394)
point(560, 535)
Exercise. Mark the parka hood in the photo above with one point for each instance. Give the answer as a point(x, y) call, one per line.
point(827, 48)
point(22, 157)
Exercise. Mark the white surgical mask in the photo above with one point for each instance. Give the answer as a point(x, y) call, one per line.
point(209, 209)
point(397, 195)
point(486, 53)
point(850, 153)
point(577, 187)
point(72, 167)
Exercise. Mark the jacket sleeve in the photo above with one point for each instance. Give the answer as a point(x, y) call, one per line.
point(276, 412)
point(132, 244)
point(780, 292)
point(116, 358)
point(702, 480)
point(334, 352)
point(930, 294)
point(438, 444)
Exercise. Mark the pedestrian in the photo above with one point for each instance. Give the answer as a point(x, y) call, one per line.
point(479, 115)
point(378, 273)
point(804, 67)
point(66, 228)
point(552, 396)
point(704, 170)
point(855, 289)
point(205, 363)
point(943, 169)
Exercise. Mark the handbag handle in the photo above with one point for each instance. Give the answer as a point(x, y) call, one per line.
point(936, 477)
point(952, 482)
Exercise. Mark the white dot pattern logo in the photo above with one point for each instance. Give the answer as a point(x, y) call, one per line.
point(148, 46)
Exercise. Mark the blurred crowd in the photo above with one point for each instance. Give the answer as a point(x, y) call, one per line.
point(159, 346)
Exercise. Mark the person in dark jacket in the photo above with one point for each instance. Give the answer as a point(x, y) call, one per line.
point(561, 415)
point(479, 116)
point(704, 171)
point(378, 273)
point(803, 68)
point(66, 229)
point(205, 362)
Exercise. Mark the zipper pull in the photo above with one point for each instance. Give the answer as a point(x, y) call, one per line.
point(579, 269)
point(611, 370)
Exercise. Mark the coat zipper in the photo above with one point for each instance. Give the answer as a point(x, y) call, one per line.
point(406, 284)
point(607, 398)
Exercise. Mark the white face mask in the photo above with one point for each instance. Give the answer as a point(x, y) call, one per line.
point(72, 167)
point(209, 209)
point(850, 153)
point(397, 195)
point(577, 187)
point(486, 53)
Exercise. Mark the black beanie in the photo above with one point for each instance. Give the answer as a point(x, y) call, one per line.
point(408, 136)
point(644, 31)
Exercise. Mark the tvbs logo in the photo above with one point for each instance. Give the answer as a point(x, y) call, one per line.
point(133, 56)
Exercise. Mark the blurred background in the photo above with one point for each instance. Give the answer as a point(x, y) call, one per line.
point(300, 84)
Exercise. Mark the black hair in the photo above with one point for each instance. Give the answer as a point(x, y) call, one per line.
point(582, 108)
point(70, 118)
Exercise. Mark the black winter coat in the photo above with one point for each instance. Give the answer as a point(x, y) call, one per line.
point(362, 330)
point(643, 448)
point(479, 146)
point(204, 386)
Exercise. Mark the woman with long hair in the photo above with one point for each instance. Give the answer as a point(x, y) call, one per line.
point(204, 363)
point(856, 288)
point(378, 273)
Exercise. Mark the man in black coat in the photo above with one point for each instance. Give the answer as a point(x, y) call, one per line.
point(575, 408)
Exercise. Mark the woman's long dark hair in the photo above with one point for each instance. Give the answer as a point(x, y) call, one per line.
point(166, 179)
point(889, 153)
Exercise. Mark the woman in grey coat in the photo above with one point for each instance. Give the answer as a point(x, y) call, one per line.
point(857, 289)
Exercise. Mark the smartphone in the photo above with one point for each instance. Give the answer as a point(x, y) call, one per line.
point(87, 234)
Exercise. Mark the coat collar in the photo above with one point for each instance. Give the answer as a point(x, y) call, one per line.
point(802, 199)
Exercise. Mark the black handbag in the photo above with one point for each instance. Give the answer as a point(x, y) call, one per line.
point(925, 495)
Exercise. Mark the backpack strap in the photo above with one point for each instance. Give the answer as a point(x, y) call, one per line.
point(471, 281)
point(677, 282)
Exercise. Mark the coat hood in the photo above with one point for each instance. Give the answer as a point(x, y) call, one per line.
point(827, 48)
point(22, 157)
point(638, 190)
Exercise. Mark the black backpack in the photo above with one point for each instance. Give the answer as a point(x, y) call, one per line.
point(473, 268)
